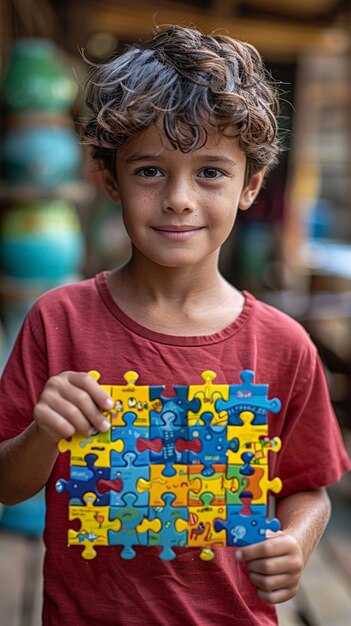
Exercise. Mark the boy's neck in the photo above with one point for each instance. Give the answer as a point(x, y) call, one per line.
point(162, 284)
point(180, 301)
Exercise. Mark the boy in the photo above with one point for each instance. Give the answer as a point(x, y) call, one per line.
point(184, 129)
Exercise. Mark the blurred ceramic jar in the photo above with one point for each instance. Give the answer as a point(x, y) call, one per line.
point(43, 155)
point(36, 78)
point(41, 241)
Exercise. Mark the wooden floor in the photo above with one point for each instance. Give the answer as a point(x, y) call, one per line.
point(324, 598)
point(21, 561)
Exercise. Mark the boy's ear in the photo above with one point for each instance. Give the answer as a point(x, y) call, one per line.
point(110, 184)
point(251, 190)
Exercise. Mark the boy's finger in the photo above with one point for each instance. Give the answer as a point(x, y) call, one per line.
point(79, 398)
point(270, 583)
point(249, 553)
point(259, 550)
point(86, 382)
point(273, 533)
point(52, 424)
point(270, 567)
point(78, 410)
point(276, 597)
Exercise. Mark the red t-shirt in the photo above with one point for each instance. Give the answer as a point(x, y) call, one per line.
point(80, 327)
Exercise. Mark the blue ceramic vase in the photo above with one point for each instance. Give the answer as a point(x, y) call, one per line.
point(41, 241)
point(43, 155)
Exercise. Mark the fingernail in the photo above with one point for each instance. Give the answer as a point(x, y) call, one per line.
point(238, 555)
point(108, 403)
point(105, 426)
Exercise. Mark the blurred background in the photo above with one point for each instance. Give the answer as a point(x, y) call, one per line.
point(293, 249)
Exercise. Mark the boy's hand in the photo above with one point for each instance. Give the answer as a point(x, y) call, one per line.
point(274, 566)
point(71, 402)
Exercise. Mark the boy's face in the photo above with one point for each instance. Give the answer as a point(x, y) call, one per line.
point(179, 208)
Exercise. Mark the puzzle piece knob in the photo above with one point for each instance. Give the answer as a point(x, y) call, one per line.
point(207, 554)
point(247, 417)
point(131, 378)
point(128, 553)
point(208, 376)
point(89, 498)
point(94, 374)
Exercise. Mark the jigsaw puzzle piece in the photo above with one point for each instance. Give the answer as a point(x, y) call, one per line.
point(160, 483)
point(201, 531)
point(214, 484)
point(247, 396)
point(249, 478)
point(98, 444)
point(263, 447)
point(96, 376)
point(131, 398)
point(168, 430)
point(177, 404)
point(171, 533)
point(95, 524)
point(256, 477)
point(207, 393)
point(132, 532)
point(253, 439)
point(135, 441)
point(214, 446)
point(129, 475)
point(235, 484)
point(259, 484)
point(170, 424)
point(85, 479)
point(246, 524)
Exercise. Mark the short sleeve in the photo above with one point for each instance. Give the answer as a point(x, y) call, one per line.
point(313, 453)
point(23, 378)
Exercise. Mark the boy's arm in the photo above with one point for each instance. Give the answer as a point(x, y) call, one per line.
point(70, 402)
point(26, 462)
point(275, 566)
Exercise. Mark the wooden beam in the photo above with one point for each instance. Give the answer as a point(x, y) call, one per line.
point(133, 20)
point(223, 8)
point(295, 8)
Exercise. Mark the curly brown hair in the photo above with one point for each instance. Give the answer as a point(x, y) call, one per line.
point(190, 85)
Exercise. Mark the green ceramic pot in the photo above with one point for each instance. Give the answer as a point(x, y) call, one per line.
point(36, 78)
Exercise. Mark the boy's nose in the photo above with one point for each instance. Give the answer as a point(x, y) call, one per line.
point(179, 197)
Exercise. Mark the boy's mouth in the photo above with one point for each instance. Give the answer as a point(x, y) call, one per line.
point(177, 233)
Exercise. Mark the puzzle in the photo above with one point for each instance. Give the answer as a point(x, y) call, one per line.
point(189, 469)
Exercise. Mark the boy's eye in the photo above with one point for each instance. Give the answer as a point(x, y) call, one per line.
point(210, 172)
point(149, 172)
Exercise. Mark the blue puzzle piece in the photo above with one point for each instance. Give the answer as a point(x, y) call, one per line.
point(168, 537)
point(130, 434)
point(169, 432)
point(178, 404)
point(128, 535)
point(84, 479)
point(214, 444)
point(129, 474)
point(248, 396)
point(243, 530)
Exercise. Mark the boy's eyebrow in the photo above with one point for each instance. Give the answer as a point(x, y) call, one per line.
point(141, 157)
point(154, 157)
point(218, 159)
